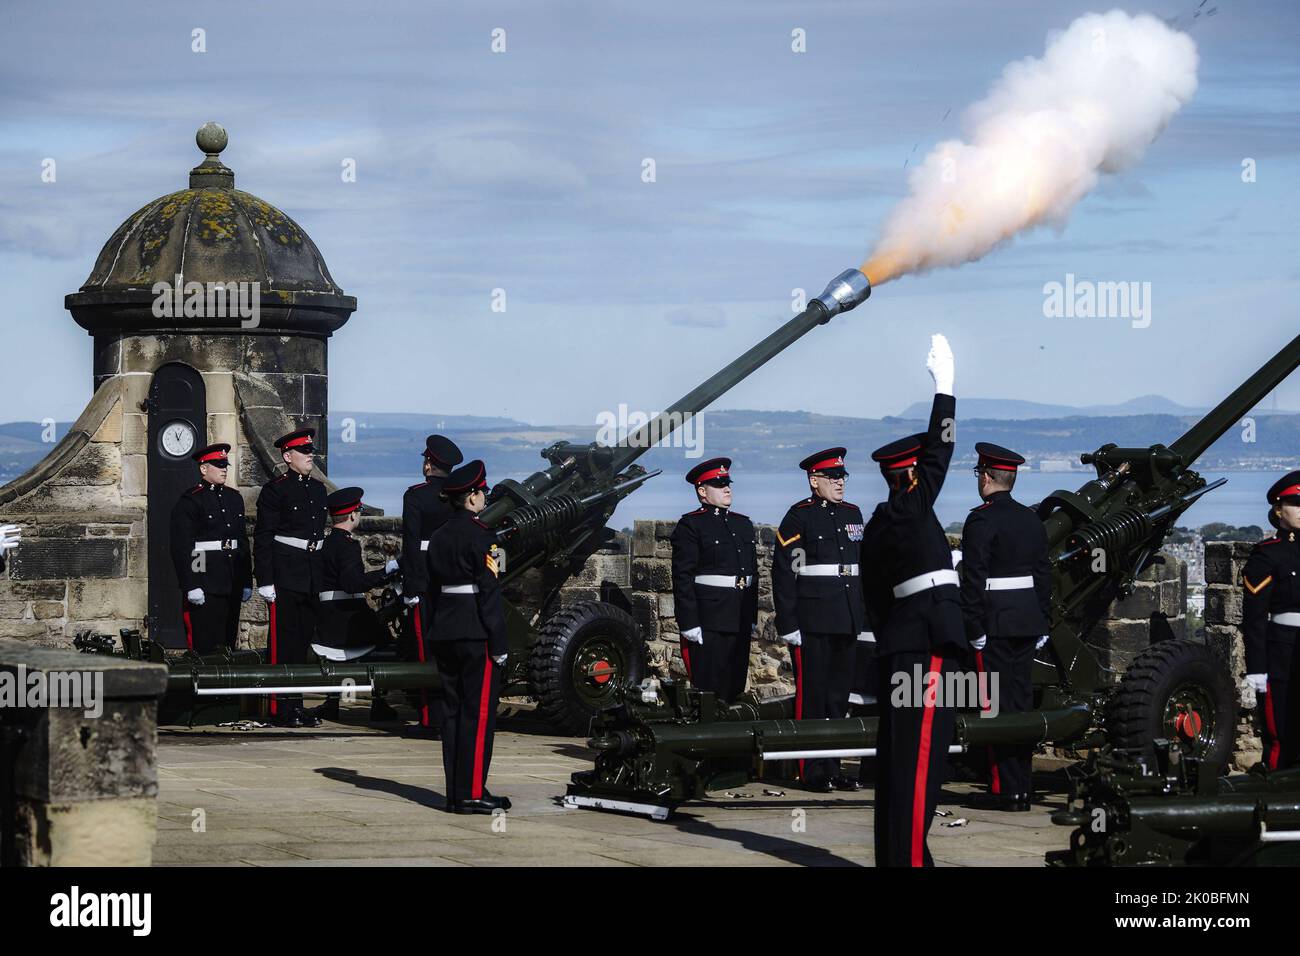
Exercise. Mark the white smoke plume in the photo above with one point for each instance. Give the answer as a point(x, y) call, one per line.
point(1049, 128)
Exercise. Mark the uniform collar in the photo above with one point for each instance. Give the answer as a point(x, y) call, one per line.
point(335, 529)
point(717, 509)
point(998, 496)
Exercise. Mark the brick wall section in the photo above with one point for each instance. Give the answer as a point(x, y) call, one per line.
point(1223, 563)
point(1158, 601)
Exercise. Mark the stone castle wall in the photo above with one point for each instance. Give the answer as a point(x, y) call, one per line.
point(1223, 563)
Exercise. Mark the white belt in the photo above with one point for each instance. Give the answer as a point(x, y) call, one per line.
point(923, 582)
point(722, 580)
point(829, 570)
point(459, 589)
point(226, 544)
point(1009, 584)
point(1286, 618)
point(338, 595)
point(424, 545)
point(867, 636)
point(301, 543)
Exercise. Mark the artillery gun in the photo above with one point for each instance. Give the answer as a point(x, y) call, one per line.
point(664, 743)
point(571, 659)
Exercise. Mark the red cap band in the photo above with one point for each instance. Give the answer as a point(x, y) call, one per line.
point(213, 456)
point(993, 463)
point(710, 475)
point(835, 462)
point(1287, 492)
point(346, 509)
point(294, 443)
point(902, 463)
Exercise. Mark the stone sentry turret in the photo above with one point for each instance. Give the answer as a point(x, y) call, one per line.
point(211, 312)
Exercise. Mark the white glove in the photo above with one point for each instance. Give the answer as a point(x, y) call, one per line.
point(1257, 682)
point(939, 364)
point(197, 597)
point(10, 535)
point(794, 638)
point(267, 591)
point(695, 635)
point(1042, 642)
point(753, 631)
point(498, 661)
point(411, 601)
point(391, 566)
point(979, 642)
point(247, 595)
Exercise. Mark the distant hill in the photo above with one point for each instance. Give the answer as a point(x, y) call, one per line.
point(426, 423)
point(1015, 409)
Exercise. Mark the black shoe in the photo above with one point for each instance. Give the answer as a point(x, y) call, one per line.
point(328, 710)
point(290, 719)
point(476, 806)
point(1019, 804)
point(841, 782)
point(307, 719)
point(382, 712)
point(502, 802)
point(818, 786)
point(1006, 802)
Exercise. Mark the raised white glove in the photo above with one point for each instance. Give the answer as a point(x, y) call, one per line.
point(1042, 642)
point(10, 535)
point(247, 595)
point(794, 638)
point(1257, 682)
point(940, 365)
point(411, 601)
point(498, 661)
point(391, 566)
point(695, 635)
point(979, 642)
point(267, 591)
point(197, 597)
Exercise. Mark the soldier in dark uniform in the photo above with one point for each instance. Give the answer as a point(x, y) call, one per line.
point(911, 589)
point(10, 537)
point(423, 512)
point(1006, 594)
point(347, 625)
point(1271, 624)
point(715, 584)
point(209, 545)
point(287, 538)
point(467, 640)
point(817, 589)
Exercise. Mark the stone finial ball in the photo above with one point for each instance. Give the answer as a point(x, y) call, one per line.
point(211, 138)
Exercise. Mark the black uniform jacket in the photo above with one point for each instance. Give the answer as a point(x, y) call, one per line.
point(817, 533)
point(464, 554)
point(1271, 584)
point(293, 506)
point(423, 513)
point(211, 513)
point(904, 539)
point(1004, 539)
point(346, 621)
point(720, 542)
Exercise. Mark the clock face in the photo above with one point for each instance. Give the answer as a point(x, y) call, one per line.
point(177, 439)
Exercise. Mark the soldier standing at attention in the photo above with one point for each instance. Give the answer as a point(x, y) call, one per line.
point(715, 584)
point(915, 603)
point(287, 537)
point(209, 545)
point(820, 613)
point(347, 623)
point(1271, 623)
point(1006, 596)
point(467, 640)
point(423, 512)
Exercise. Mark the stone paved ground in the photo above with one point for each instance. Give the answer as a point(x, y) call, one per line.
point(345, 795)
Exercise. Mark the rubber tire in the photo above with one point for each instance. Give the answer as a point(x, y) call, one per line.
point(559, 641)
point(1135, 713)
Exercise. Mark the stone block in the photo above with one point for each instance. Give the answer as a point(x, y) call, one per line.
point(315, 399)
point(106, 598)
point(643, 539)
point(284, 353)
point(666, 605)
point(1223, 604)
point(96, 833)
point(220, 390)
point(14, 610)
point(652, 574)
point(47, 610)
point(135, 434)
point(110, 429)
point(99, 463)
point(35, 590)
point(135, 475)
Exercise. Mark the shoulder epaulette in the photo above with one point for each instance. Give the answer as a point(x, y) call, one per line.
point(982, 507)
point(1273, 540)
point(697, 511)
point(802, 504)
point(420, 485)
point(849, 504)
point(481, 524)
point(196, 488)
point(739, 515)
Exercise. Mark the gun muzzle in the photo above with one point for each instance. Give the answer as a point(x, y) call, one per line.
point(847, 291)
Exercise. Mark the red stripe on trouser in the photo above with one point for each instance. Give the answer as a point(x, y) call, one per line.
point(1270, 724)
point(189, 628)
point(419, 653)
point(995, 782)
point(686, 659)
point(797, 659)
point(923, 769)
point(476, 790)
point(275, 706)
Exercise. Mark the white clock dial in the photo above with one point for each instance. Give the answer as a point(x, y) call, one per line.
point(177, 439)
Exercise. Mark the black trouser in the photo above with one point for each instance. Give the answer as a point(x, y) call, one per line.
point(912, 743)
point(1011, 659)
point(213, 624)
point(415, 624)
point(1281, 721)
point(720, 664)
point(467, 714)
point(292, 632)
point(823, 679)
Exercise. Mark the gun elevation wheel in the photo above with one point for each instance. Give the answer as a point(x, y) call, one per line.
point(582, 653)
point(1176, 690)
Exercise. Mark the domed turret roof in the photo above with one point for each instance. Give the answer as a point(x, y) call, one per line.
point(210, 233)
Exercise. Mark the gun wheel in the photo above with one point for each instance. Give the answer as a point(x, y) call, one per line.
point(1179, 691)
point(582, 653)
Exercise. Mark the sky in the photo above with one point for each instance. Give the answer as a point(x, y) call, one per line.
point(522, 170)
